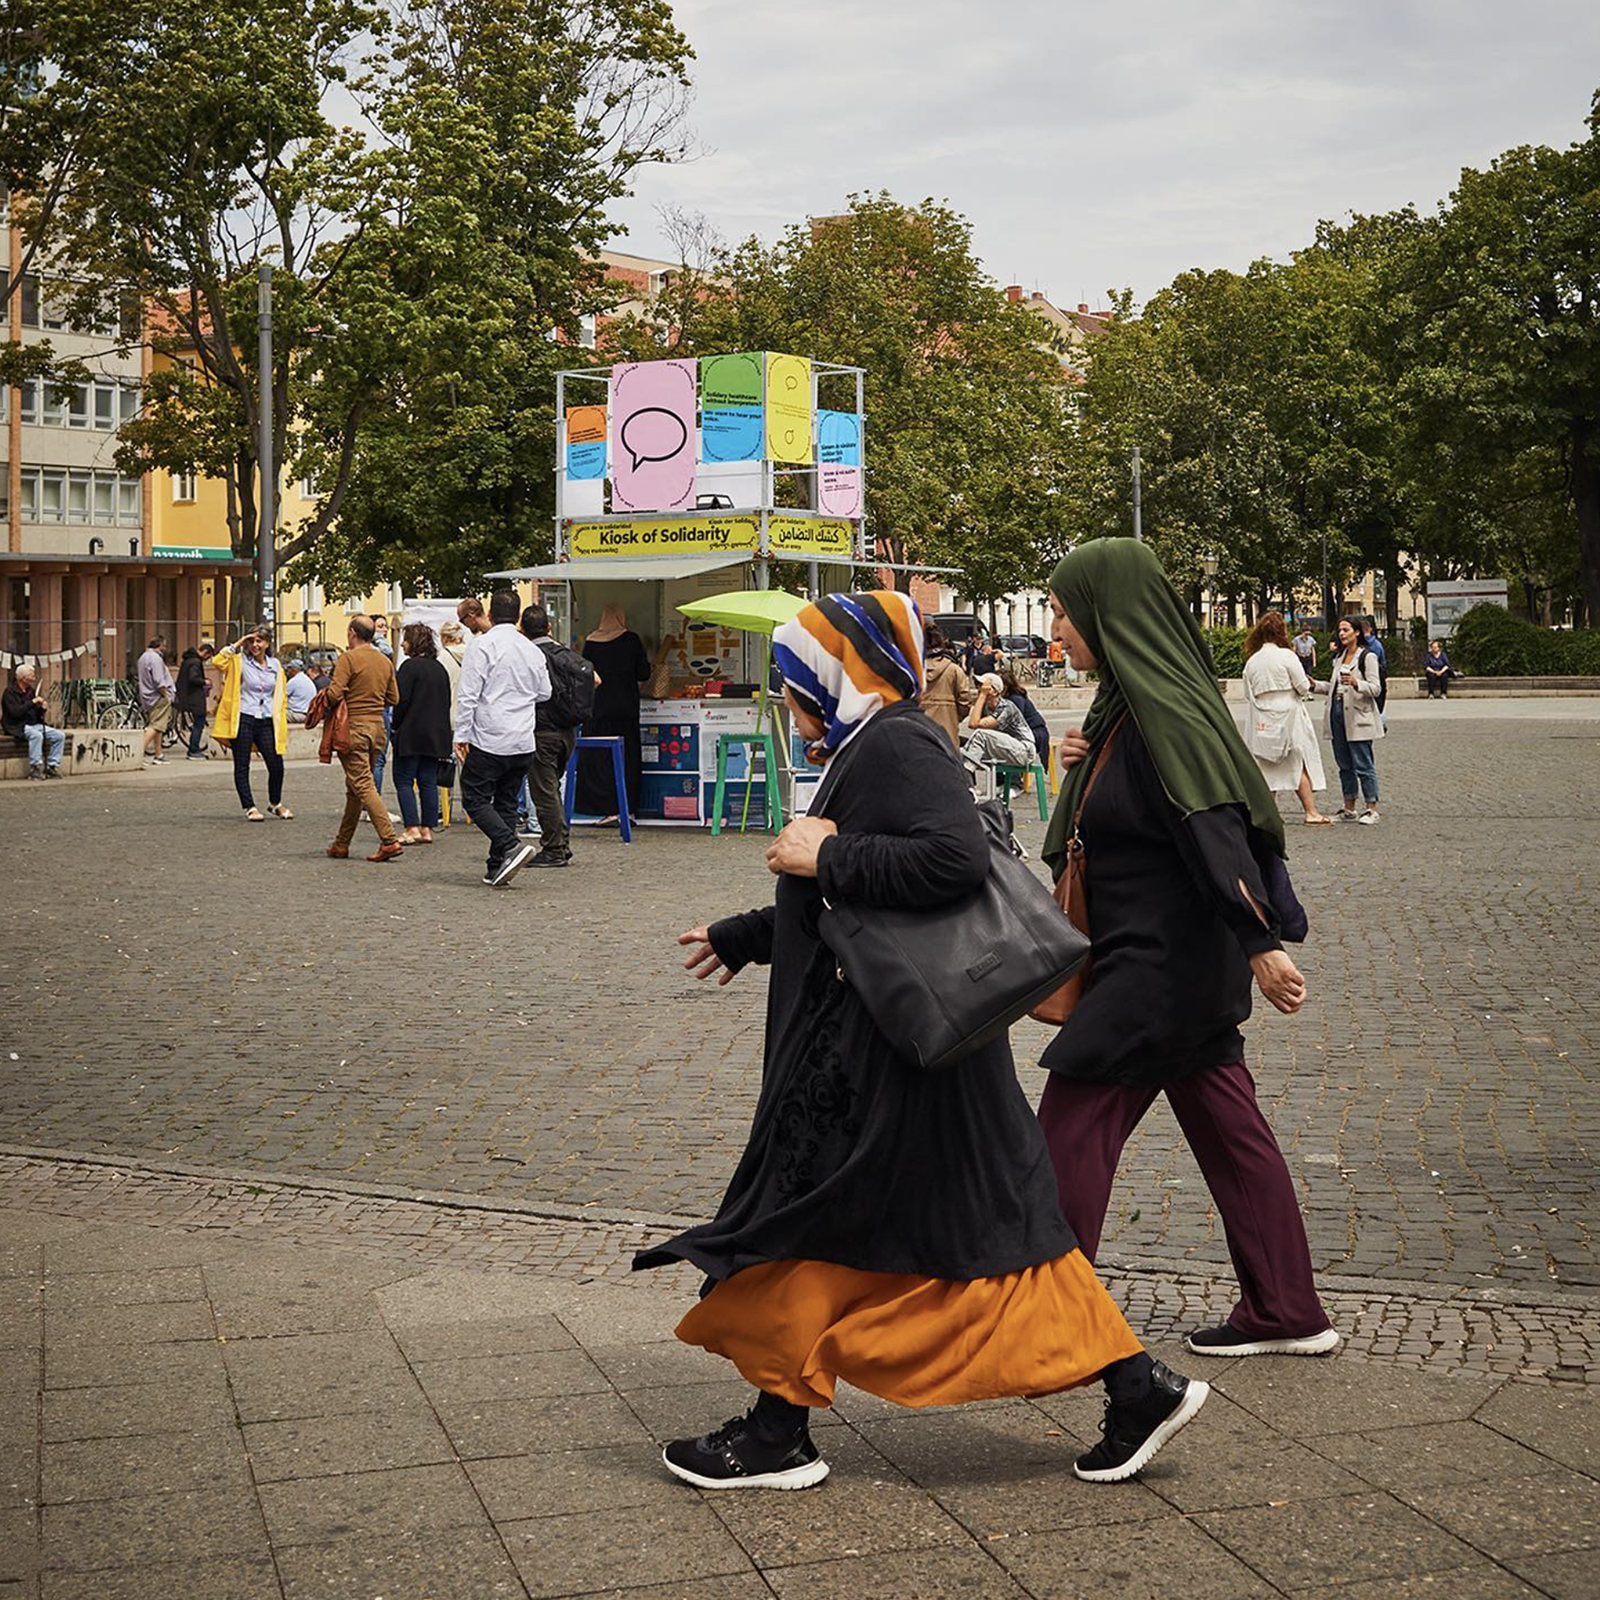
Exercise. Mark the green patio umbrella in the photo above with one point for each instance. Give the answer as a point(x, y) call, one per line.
point(750, 611)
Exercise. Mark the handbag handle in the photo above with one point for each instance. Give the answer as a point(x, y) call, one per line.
point(1094, 776)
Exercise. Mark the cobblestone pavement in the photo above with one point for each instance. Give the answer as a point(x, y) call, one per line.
point(202, 1415)
point(180, 985)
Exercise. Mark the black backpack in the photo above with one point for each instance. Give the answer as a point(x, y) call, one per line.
point(571, 699)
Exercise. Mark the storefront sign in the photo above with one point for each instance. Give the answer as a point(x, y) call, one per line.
point(191, 552)
point(672, 536)
point(805, 536)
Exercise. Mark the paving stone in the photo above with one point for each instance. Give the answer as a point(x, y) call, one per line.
point(1482, 1582)
point(79, 1365)
point(1428, 1456)
point(942, 1574)
point(404, 1503)
point(1557, 1510)
point(455, 1341)
point(114, 1250)
point(663, 1364)
point(435, 1297)
point(138, 1408)
point(520, 1427)
point(462, 1564)
point(556, 1483)
point(20, 1370)
point(1304, 1398)
point(19, 1545)
point(19, 1472)
point(1000, 1471)
point(1314, 1543)
point(695, 1408)
point(616, 1549)
point(191, 1580)
point(315, 1374)
point(151, 1529)
point(75, 1291)
point(310, 1447)
point(161, 1463)
point(293, 1312)
point(536, 1375)
point(1560, 1423)
point(1134, 1561)
point(103, 1322)
point(1199, 1471)
point(738, 1586)
point(1563, 1575)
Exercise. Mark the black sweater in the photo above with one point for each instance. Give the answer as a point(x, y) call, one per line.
point(855, 1156)
point(422, 716)
point(1170, 931)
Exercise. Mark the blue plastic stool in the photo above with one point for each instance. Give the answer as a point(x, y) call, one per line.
point(1013, 775)
point(769, 776)
point(619, 777)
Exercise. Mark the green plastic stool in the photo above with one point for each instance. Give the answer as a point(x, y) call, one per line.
point(1013, 775)
point(725, 742)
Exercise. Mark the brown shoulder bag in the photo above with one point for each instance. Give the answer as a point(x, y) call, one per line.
point(1072, 895)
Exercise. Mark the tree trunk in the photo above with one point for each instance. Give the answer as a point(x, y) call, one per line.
point(1586, 502)
point(1391, 588)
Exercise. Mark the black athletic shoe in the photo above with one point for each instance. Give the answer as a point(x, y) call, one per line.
point(1136, 1428)
point(514, 862)
point(736, 1457)
point(1226, 1341)
point(552, 858)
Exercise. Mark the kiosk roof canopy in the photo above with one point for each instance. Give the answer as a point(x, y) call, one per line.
point(640, 571)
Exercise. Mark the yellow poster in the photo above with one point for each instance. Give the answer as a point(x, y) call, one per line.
point(671, 536)
point(789, 409)
point(805, 536)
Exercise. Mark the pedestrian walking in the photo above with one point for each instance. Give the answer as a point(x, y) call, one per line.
point(947, 690)
point(1305, 649)
point(572, 697)
point(621, 665)
point(253, 714)
point(1178, 834)
point(190, 697)
point(888, 1226)
point(421, 734)
point(1354, 690)
point(504, 679)
point(1438, 671)
point(154, 686)
point(1279, 730)
point(363, 681)
point(22, 716)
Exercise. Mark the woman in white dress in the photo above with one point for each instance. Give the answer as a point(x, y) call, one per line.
point(1280, 732)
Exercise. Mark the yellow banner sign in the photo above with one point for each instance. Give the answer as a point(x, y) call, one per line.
point(803, 536)
point(671, 536)
point(789, 409)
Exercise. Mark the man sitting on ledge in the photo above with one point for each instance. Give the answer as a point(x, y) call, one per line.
point(22, 717)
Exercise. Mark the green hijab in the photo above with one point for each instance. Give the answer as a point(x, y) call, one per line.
point(1155, 664)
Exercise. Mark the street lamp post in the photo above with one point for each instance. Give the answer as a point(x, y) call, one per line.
point(1208, 565)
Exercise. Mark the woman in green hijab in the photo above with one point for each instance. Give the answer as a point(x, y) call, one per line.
point(1178, 834)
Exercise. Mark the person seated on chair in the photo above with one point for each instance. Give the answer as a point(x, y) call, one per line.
point(1018, 696)
point(22, 715)
point(999, 734)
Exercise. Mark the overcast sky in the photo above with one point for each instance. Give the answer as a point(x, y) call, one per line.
point(1120, 144)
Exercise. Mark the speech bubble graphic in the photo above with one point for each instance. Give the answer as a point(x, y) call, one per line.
point(652, 433)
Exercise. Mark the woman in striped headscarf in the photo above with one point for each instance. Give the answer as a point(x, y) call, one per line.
point(895, 1228)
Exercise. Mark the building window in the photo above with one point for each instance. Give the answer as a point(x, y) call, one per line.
point(130, 401)
point(354, 608)
point(586, 332)
point(308, 489)
point(30, 494)
point(30, 300)
point(105, 405)
point(105, 499)
point(52, 494)
point(182, 488)
point(128, 507)
point(311, 597)
point(54, 412)
point(80, 491)
point(52, 312)
point(30, 400)
point(5, 496)
point(394, 597)
point(78, 405)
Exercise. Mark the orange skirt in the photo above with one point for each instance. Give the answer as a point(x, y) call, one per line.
point(794, 1327)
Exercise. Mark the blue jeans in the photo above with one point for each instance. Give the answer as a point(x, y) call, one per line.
point(417, 777)
point(1354, 760)
point(197, 733)
point(382, 759)
point(41, 738)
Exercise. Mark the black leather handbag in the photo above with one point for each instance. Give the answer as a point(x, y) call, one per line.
point(941, 981)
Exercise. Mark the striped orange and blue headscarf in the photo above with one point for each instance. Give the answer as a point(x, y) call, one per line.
point(846, 657)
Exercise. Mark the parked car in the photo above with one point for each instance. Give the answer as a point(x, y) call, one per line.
point(1022, 644)
point(957, 626)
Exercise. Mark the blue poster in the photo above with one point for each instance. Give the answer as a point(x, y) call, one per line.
point(587, 460)
point(839, 438)
point(730, 433)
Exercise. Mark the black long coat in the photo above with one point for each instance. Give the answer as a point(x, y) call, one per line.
point(855, 1156)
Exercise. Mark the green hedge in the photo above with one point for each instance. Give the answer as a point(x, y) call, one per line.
point(1491, 643)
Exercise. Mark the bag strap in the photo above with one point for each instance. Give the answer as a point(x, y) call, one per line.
point(1094, 774)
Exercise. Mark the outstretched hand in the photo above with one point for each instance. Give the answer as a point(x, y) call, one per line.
point(1279, 980)
point(703, 960)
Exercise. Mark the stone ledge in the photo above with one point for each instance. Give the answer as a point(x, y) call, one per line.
point(88, 752)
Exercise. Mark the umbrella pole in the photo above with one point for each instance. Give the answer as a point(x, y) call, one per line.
point(761, 723)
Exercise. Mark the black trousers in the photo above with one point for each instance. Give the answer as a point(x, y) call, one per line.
point(490, 786)
point(256, 732)
point(552, 750)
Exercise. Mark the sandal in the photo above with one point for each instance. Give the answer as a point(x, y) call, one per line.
point(254, 814)
point(1318, 820)
point(281, 810)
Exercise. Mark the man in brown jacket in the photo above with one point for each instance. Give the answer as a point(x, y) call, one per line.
point(364, 680)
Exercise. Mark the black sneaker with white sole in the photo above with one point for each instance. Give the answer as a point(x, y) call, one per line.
point(736, 1456)
point(1136, 1426)
point(1226, 1341)
point(516, 859)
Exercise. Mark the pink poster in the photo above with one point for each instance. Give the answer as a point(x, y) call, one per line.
point(653, 450)
point(839, 490)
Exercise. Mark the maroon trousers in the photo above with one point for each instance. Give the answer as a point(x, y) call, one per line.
point(1087, 1124)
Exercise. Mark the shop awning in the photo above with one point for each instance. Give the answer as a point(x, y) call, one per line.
point(640, 571)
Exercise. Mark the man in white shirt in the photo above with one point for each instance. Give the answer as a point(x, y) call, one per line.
point(504, 677)
point(299, 690)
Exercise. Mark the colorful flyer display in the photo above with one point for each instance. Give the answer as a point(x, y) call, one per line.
point(730, 382)
point(730, 408)
point(839, 438)
point(654, 404)
point(586, 441)
point(839, 491)
point(789, 409)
